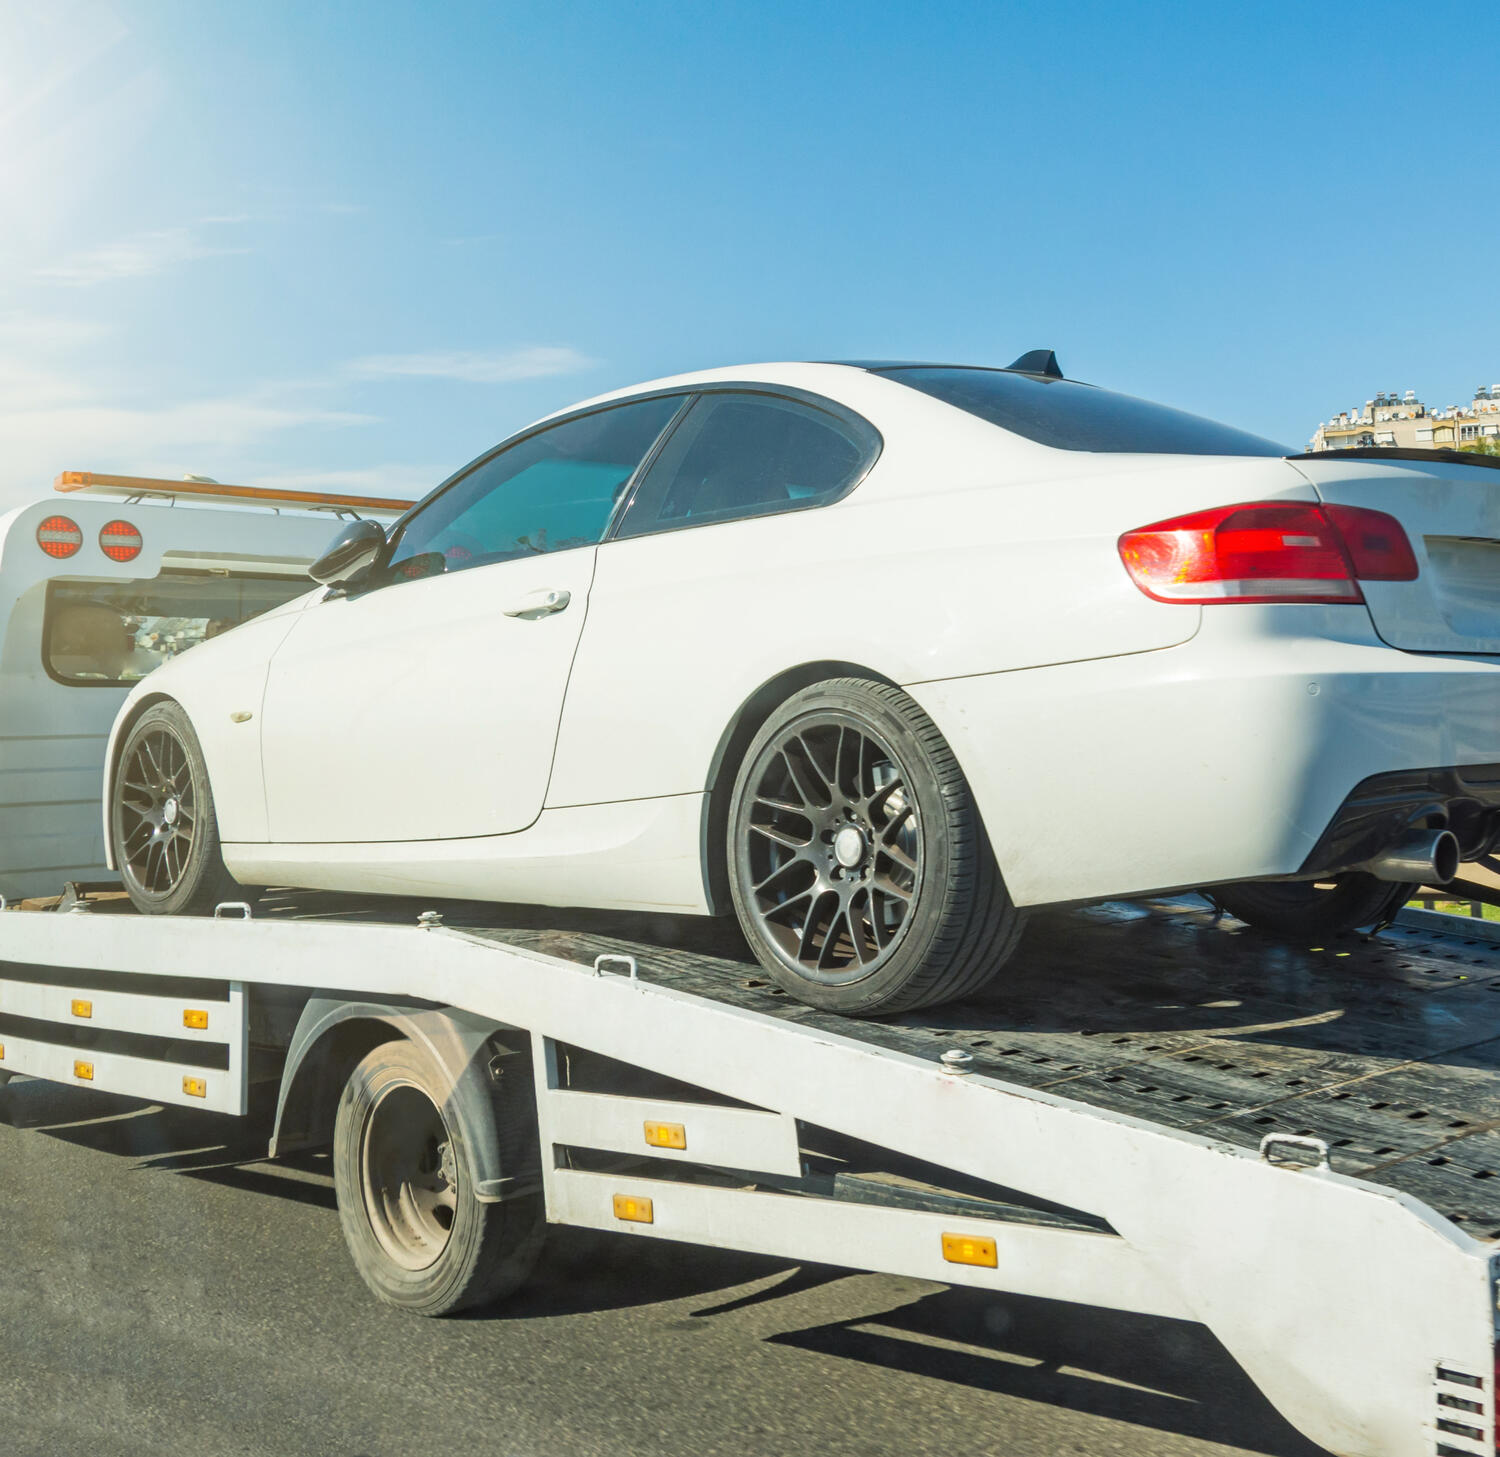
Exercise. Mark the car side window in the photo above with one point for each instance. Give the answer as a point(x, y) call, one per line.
point(737, 455)
point(553, 490)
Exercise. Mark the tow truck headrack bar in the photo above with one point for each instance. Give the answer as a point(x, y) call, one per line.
point(148, 486)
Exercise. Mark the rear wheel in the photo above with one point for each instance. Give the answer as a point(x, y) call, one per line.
point(858, 864)
point(166, 836)
point(418, 1235)
point(1314, 908)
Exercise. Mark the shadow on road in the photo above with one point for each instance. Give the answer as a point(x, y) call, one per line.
point(212, 1147)
point(1168, 1376)
point(1163, 1375)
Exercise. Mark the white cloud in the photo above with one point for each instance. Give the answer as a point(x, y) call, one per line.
point(26, 387)
point(75, 430)
point(65, 406)
point(473, 366)
point(226, 421)
point(32, 352)
point(45, 334)
point(132, 257)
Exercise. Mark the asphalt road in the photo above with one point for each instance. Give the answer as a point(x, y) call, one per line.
point(164, 1290)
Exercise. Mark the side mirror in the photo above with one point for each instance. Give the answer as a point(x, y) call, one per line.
point(350, 554)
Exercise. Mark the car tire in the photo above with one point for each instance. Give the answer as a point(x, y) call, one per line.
point(162, 820)
point(419, 1237)
point(1304, 908)
point(858, 864)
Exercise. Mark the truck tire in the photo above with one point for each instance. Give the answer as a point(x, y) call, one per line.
point(858, 863)
point(1304, 908)
point(162, 820)
point(419, 1237)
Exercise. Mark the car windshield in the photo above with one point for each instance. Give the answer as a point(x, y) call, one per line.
point(1072, 416)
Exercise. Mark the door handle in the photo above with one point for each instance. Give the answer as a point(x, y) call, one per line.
point(540, 604)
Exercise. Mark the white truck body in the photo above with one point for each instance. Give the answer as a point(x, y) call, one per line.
point(70, 651)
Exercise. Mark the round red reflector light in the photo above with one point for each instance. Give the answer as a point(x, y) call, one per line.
point(120, 541)
point(59, 537)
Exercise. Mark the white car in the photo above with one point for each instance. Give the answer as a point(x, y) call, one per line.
point(878, 655)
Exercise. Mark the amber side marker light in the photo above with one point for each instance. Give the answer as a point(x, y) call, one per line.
point(195, 1087)
point(195, 1017)
point(82, 1008)
point(634, 1208)
point(666, 1135)
point(970, 1249)
point(84, 1070)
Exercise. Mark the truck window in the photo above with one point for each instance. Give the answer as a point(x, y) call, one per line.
point(103, 634)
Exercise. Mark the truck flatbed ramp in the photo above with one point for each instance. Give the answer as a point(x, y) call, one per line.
point(1386, 1048)
point(1153, 1110)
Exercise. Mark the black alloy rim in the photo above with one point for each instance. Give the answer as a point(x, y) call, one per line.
point(158, 812)
point(829, 848)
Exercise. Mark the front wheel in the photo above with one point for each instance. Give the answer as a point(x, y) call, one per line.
point(858, 863)
point(162, 821)
point(1314, 908)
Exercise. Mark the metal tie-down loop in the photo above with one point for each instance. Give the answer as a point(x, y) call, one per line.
point(628, 962)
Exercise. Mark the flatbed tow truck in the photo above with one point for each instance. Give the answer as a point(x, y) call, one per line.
point(1154, 1110)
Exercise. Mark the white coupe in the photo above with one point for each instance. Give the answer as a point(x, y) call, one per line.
point(877, 655)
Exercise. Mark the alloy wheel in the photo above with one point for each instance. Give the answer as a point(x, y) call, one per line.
point(829, 847)
point(158, 811)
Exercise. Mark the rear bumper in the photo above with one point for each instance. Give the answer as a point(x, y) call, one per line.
point(1464, 799)
point(1230, 757)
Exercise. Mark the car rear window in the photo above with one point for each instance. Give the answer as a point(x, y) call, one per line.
point(739, 455)
point(1072, 416)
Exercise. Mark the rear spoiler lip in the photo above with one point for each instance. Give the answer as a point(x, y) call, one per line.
point(1402, 452)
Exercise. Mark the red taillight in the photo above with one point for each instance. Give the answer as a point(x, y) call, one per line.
point(119, 541)
point(1376, 544)
point(59, 537)
point(1267, 551)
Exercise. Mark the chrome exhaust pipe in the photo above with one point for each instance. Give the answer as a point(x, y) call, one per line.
point(1425, 857)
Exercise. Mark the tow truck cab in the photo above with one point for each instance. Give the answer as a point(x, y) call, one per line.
point(97, 590)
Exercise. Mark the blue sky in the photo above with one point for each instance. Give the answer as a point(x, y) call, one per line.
point(352, 245)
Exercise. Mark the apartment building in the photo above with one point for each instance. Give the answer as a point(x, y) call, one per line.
point(1404, 420)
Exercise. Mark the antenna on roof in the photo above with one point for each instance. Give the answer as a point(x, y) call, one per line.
point(1038, 361)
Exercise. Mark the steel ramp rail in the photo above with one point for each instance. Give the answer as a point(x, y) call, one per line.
point(1387, 1048)
point(1341, 1299)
